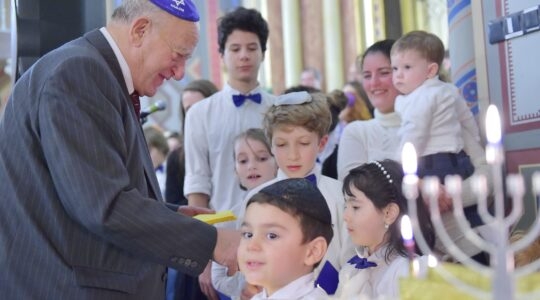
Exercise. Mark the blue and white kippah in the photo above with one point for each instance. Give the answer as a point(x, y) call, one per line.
point(183, 9)
point(293, 98)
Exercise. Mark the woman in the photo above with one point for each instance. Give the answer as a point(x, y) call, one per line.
point(377, 139)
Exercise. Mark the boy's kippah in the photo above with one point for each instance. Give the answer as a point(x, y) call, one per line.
point(183, 9)
point(293, 98)
point(303, 195)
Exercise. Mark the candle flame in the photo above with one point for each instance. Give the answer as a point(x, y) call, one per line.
point(493, 125)
point(408, 158)
point(406, 228)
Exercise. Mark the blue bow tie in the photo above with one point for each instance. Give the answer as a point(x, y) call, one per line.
point(312, 178)
point(238, 100)
point(361, 263)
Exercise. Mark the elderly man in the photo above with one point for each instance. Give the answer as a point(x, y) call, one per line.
point(80, 209)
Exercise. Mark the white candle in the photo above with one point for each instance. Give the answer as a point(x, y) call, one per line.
point(493, 125)
point(406, 228)
point(493, 134)
point(407, 235)
point(408, 158)
point(410, 181)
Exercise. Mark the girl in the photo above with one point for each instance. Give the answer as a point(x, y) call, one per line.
point(253, 160)
point(374, 207)
point(254, 165)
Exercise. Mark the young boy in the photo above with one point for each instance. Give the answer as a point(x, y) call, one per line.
point(434, 116)
point(283, 239)
point(297, 127)
point(213, 123)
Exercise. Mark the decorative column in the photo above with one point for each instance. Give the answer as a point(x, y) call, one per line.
point(333, 46)
point(461, 48)
point(291, 36)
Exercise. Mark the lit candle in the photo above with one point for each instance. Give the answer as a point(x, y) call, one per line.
point(410, 181)
point(493, 135)
point(407, 235)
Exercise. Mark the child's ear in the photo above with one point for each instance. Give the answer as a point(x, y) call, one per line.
point(316, 251)
point(322, 142)
point(433, 70)
point(390, 213)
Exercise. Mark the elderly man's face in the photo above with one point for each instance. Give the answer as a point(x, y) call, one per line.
point(168, 44)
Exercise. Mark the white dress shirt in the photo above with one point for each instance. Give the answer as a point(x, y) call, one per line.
point(380, 282)
point(302, 288)
point(210, 129)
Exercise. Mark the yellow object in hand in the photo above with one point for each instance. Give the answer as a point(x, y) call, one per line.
point(218, 217)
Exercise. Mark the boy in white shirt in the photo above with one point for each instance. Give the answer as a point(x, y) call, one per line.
point(297, 127)
point(283, 239)
point(434, 116)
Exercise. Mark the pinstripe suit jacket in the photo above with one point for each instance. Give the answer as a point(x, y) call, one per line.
point(78, 212)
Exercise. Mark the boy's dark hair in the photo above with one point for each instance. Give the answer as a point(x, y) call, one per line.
point(249, 20)
point(375, 184)
point(301, 199)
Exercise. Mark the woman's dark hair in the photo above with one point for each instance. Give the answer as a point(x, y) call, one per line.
point(249, 20)
point(384, 47)
point(383, 189)
point(206, 87)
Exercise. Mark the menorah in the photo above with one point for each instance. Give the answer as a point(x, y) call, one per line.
point(501, 271)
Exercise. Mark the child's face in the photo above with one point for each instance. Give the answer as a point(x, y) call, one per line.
point(242, 56)
point(271, 253)
point(410, 70)
point(254, 164)
point(365, 223)
point(295, 149)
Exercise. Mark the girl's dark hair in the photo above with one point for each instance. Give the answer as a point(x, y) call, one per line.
point(249, 20)
point(383, 190)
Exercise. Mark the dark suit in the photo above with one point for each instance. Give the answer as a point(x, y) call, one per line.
point(78, 212)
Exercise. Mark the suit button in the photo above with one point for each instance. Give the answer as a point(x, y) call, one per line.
point(187, 262)
point(194, 264)
point(181, 261)
point(174, 259)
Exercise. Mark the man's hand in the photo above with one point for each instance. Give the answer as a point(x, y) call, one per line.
point(205, 282)
point(444, 200)
point(191, 211)
point(249, 291)
point(226, 248)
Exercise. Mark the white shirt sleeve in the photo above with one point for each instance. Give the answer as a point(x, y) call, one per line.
point(198, 176)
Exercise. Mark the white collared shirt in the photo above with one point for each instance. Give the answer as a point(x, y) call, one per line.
point(126, 72)
point(301, 288)
point(210, 129)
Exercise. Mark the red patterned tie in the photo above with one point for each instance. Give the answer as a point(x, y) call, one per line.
point(136, 103)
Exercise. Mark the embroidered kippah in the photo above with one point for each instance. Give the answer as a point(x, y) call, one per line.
point(383, 171)
point(183, 9)
point(293, 98)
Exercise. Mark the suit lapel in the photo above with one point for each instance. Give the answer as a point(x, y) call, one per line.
point(96, 38)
